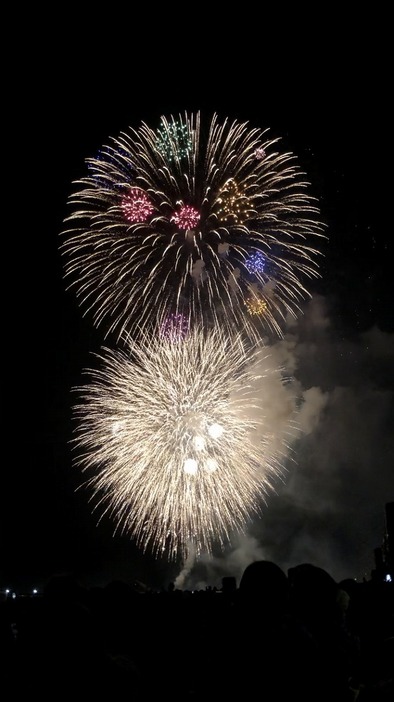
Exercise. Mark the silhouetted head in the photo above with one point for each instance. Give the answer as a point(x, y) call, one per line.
point(265, 581)
point(350, 586)
point(312, 588)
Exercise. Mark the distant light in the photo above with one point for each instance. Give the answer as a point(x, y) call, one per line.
point(388, 578)
point(13, 596)
point(7, 592)
point(35, 591)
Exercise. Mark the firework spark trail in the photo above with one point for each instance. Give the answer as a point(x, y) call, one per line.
point(176, 440)
point(174, 221)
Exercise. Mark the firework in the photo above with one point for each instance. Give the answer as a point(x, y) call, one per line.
point(174, 327)
point(167, 219)
point(255, 263)
point(136, 205)
point(259, 153)
point(256, 305)
point(186, 218)
point(233, 205)
point(105, 168)
point(173, 139)
point(175, 439)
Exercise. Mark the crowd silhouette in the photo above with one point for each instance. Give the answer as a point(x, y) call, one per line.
point(276, 636)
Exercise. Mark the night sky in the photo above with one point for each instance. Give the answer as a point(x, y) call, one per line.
point(330, 508)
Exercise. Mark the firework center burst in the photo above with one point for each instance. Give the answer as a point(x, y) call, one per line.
point(198, 436)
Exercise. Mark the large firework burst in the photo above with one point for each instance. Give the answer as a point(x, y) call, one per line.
point(176, 439)
point(172, 221)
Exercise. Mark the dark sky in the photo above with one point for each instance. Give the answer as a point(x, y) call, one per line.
point(328, 109)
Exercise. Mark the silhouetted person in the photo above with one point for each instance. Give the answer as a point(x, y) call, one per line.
point(320, 605)
point(371, 611)
point(264, 581)
point(257, 650)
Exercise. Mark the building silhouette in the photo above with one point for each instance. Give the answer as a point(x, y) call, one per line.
point(384, 554)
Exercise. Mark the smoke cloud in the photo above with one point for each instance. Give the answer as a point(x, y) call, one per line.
point(328, 509)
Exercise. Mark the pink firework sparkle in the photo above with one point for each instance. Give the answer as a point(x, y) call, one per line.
point(136, 205)
point(187, 217)
point(174, 327)
point(259, 153)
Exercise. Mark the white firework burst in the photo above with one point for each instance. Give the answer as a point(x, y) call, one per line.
point(175, 439)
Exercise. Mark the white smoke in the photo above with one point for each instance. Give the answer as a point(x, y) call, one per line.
point(209, 570)
point(329, 508)
point(232, 280)
point(186, 568)
point(198, 273)
point(313, 404)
